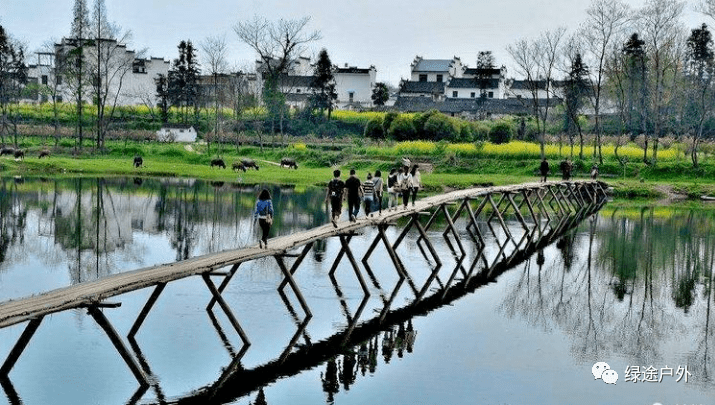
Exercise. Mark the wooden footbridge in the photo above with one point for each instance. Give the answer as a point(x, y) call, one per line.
point(540, 211)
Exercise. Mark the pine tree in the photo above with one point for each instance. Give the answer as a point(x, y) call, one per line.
point(576, 91)
point(380, 94)
point(323, 85)
point(182, 80)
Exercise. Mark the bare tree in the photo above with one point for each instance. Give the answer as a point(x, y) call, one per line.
point(660, 23)
point(278, 44)
point(215, 50)
point(109, 63)
point(606, 20)
point(537, 61)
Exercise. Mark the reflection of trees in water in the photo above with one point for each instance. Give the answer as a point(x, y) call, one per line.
point(631, 280)
point(92, 221)
point(13, 218)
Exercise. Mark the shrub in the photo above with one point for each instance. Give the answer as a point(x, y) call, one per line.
point(402, 129)
point(373, 129)
point(387, 121)
point(440, 127)
point(420, 120)
point(500, 133)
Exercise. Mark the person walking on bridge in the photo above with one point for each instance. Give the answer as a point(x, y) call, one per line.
point(264, 215)
point(368, 188)
point(354, 187)
point(335, 196)
point(379, 187)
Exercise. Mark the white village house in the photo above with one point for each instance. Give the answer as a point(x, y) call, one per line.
point(176, 133)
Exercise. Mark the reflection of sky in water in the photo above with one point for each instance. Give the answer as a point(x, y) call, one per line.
point(531, 337)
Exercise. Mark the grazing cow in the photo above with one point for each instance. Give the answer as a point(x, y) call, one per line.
point(247, 163)
point(7, 150)
point(288, 162)
point(138, 161)
point(19, 154)
point(44, 153)
point(238, 166)
point(218, 162)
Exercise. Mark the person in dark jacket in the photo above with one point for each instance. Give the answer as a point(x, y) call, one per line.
point(544, 169)
point(264, 215)
point(335, 196)
point(354, 187)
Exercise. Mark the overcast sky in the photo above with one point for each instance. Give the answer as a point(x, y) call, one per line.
point(385, 33)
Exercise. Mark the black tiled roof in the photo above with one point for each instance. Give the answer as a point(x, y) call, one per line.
point(422, 87)
point(469, 105)
point(469, 83)
point(475, 71)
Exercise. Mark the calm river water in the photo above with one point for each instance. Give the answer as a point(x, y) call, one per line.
point(628, 287)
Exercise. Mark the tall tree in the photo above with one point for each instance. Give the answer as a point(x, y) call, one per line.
point(636, 74)
point(323, 85)
point(380, 94)
point(214, 51)
point(536, 61)
point(13, 77)
point(163, 97)
point(577, 86)
point(699, 70)
point(660, 22)
point(77, 72)
point(183, 88)
point(277, 44)
point(108, 62)
point(485, 65)
point(606, 19)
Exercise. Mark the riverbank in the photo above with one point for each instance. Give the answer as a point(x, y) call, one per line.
point(669, 181)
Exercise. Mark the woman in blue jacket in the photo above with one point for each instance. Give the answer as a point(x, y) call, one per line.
point(264, 214)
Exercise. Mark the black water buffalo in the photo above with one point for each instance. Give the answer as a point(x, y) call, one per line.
point(7, 150)
point(218, 162)
point(238, 166)
point(288, 162)
point(44, 153)
point(248, 163)
point(19, 154)
point(138, 161)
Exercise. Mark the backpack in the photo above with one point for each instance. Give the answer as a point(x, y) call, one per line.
point(334, 188)
point(391, 180)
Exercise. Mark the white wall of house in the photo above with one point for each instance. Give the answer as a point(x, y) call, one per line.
point(139, 87)
point(355, 85)
point(176, 134)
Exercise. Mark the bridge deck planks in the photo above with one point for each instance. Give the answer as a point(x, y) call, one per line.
point(88, 293)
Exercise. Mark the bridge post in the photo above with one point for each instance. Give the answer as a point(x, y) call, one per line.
point(226, 309)
point(20, 346)
point(103, 322)
point(224, 284)
point(146, 309)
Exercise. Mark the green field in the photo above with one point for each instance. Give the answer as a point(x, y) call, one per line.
point(455, 165)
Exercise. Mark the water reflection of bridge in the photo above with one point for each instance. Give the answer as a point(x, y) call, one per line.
point(478, 217)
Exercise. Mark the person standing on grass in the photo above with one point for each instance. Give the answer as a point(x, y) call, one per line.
point(379, 186)
point(264, 215)
point(544, 169)
point(404, 181)
point(368, 189)
point(391, 191)
point(335, 196)
point(415, 182)
point(354, 187)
